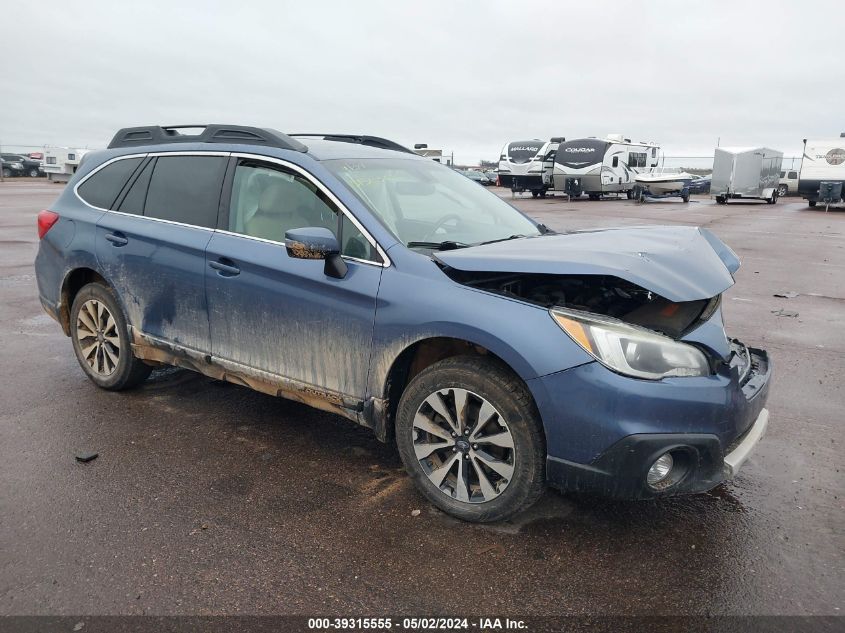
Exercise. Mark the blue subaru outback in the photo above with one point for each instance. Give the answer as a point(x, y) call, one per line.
point(348, 273)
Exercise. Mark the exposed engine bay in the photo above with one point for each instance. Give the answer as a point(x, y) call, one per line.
point(600, 294)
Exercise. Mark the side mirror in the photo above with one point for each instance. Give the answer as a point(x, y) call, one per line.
point(315, 242)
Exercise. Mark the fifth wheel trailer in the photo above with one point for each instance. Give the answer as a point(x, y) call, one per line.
point(822, 175)
point(597, 166)
point(748, 173)
point(528, 165)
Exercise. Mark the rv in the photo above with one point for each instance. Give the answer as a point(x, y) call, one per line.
point(822, 175)
point(60, 163)
point(597, 166)
point(528, 165)
point(746, 173)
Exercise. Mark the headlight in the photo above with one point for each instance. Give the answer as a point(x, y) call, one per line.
point(628, 349)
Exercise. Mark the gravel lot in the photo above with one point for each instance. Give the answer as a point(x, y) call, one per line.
point(208, 498)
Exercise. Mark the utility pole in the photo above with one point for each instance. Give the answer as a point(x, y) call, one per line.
point(2, 178)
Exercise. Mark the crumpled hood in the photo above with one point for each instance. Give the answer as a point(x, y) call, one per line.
point(679, 263)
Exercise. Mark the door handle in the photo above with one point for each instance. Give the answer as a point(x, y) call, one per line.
point(117, 239)
point(225, 269)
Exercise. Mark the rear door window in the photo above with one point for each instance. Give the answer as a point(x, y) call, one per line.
point(102, 188)
point(186, 189)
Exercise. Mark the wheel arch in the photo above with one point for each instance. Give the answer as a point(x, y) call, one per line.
point(414, 358)
point(72, 283)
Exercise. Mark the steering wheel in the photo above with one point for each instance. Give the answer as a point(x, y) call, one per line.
point(439, 224)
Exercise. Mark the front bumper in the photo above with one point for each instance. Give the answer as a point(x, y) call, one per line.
point(621, 471)
point(604, 431)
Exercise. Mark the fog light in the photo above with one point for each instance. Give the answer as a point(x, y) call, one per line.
point(660, 469)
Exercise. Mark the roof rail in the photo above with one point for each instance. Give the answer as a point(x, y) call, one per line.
point(211, 133)
point(361, 139)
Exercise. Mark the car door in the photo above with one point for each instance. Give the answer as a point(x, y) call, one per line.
point(281, 315)
point(151, 246)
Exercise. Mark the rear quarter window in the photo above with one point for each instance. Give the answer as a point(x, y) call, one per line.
point(102, 188)
point(186, 189)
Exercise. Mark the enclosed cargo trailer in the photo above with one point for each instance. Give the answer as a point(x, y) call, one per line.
point(747, 173)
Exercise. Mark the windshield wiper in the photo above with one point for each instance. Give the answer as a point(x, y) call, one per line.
point(448, 245)
point(501, 239)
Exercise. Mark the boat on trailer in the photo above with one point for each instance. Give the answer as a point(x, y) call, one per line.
point(662, 184)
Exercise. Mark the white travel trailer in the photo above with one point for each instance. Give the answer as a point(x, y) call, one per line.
point(60, 163)
point(746, 173)
point(597, 166)
point(822, 175)
point(528, 165)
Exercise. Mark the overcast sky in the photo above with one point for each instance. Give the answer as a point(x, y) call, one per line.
point(461, 76)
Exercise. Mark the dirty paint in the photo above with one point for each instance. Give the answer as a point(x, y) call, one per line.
point(155, 350)
point(300, 250)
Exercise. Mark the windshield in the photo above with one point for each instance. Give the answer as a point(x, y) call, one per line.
point(421, 201)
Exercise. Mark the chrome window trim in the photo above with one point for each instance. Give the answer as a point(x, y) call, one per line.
point(144, 155)
point(385, 263)
point(282, 244)
point(174, 222)
point(94, 171)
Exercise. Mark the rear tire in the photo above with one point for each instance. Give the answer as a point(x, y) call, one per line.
point(783, 191)
point(495, 434)
point(812, 203)
point(100, 337)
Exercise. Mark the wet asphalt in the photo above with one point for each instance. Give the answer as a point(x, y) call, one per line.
point(208, 498)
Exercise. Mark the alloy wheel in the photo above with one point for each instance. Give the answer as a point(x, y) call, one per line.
point(98, 337)
point(464, 445)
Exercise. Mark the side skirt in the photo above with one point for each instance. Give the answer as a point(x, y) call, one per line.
point(158, 351)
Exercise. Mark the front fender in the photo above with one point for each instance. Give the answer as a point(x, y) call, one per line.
point(408, 311)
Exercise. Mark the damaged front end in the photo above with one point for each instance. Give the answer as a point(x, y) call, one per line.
point(627, 328)
point(671, 406)
point(598, 294)
point(630, 307)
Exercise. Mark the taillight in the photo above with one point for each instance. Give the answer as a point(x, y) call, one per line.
point(46, 220)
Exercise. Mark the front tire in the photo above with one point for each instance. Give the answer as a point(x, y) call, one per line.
point(783, 191)
point(811, 203)
point(100, 338)
point(470, 437)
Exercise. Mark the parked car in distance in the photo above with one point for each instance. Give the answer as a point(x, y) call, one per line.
point(478, 177)
point(788, 182)
point(700, 184)
point(10, 166)
point(499, 356)
point(493, 177)
point(21, 166)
